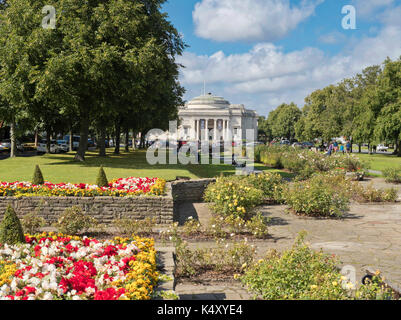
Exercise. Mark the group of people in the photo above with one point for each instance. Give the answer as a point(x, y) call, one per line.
point(336, 147)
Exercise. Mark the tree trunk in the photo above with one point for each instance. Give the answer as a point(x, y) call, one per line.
point(36, 138)
point(360, 148)
point(71, 142)
point(133, 140)
point(395, 148)
point(398, 149)
point(126, 140)
point(118, 137)
point(13, 138)
point(102, 141)
point(48, 139)
point(83, 141)
point(142, 142)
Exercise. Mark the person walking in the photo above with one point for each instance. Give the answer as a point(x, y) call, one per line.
point(335, 146)
point(342, 149)
point(348, 147)
point(331, 149)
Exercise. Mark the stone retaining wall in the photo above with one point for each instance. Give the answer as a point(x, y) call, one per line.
point(189, 191)
point(104, 209)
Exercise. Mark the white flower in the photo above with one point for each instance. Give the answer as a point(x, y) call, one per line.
point(47, 296)
point(5, 289)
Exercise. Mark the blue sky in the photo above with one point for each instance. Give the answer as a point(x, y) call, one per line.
point(265, 52)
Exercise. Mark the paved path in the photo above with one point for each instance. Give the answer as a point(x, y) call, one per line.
point(368, 236)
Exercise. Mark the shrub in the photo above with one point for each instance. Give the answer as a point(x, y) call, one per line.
point(222, 227)
point(229, 196)
point(10, 228)
point(32, 223)
point(392, 175)
point(258, 226)
point(271, 156)
point(352, 163)
point(297, 274)
point(270, 183)
point(225, 259)
point(101, 180)
point(371, 194)
point(74, 221)
point(38, 177)
point(135, 227)
point(304, 163)
point(322, 195)
point(301, 273)
point(192, 227)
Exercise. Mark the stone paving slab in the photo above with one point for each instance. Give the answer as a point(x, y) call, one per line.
point(369, 236)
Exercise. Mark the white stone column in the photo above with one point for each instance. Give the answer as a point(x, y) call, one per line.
point(215, 130)
point(195, 130)
point(207, 129)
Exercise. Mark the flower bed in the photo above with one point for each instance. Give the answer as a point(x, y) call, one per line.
point(59, 267)
point(116, 188)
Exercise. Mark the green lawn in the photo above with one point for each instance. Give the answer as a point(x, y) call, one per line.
point(62, 168)
point(379, 162)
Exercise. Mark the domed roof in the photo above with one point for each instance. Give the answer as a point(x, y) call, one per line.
point(208, 101)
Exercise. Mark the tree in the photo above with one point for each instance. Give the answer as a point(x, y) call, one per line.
point(282, 121)
point(23, 46)
point(365, 106)
point(388, 127)
point(321, 117)
point(105, 63)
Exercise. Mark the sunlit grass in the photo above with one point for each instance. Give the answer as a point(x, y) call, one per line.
point(62, 168)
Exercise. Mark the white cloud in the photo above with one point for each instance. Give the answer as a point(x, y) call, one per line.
point(367, 8)
point(332, 38)
point(266, 76)
point(249, 20)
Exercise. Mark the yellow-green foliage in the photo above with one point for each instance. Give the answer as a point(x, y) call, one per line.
point(230, 196)
point(301, 273)
point(321, 195)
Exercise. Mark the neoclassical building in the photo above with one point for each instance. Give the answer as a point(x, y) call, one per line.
point(217, 119)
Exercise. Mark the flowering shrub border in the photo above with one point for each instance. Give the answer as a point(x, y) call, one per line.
point(58, 267)
point(117, 188)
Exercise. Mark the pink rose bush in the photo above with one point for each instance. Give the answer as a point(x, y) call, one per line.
point(120, 188)
point(58, 267)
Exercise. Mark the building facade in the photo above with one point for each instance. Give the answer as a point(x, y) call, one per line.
point(213, 118)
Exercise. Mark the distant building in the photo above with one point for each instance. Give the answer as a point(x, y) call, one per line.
point(217, 119)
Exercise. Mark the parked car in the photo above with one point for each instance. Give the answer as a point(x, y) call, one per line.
point(75, 141)
point(382, 147)
point(308, 145)
point(54, 148)
point(5, 145)
point(298, 145)
point(63, 145)
point(285, 142)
